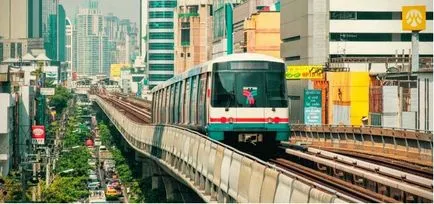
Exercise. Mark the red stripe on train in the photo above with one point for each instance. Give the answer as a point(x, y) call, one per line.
point(224, 119)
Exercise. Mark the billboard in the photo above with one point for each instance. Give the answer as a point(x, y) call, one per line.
point(115, 71)
point(38, 134)
point(312, 107)
point(413, 18)
point(296, 72)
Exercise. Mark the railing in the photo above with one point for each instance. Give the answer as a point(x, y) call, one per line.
point(215, 171)
point(412, 145)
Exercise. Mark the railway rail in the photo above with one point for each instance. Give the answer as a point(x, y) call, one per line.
point(353, 175)
point(375, 182)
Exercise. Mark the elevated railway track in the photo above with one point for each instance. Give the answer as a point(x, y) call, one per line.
point(365, 177)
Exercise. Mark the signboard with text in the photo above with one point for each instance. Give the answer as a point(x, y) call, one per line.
point(413, 18)
point(295, 72)
point(38, 134)
point(312, 107)
point(47, 91)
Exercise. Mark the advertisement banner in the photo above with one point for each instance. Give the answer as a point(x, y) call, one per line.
point(38, 134)
point(295, 72)
point(312, 107)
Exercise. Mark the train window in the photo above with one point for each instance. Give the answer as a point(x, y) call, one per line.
point(194, 100)
point(250, 89)
point(187, 102)
point(276, 90)
point(223, 90)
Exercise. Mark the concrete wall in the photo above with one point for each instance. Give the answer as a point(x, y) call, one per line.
point(6, 132)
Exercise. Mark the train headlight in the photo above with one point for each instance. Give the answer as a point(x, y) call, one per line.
point(270, 120)
point(231, 120)
point(223, 120)
point(276, 120)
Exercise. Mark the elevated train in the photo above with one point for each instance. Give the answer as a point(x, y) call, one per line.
point(235, 98)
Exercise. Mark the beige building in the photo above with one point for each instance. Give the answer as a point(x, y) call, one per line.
point(262, 33)
point(193, 34)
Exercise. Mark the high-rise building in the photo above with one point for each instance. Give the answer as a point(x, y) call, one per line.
point(92, 44)
point(160, 20)
point(20, 27)
point(49, 27)
point(20, 19)
point(314, 31)
point(193, 34)
point(69, 47)
point(61, 35)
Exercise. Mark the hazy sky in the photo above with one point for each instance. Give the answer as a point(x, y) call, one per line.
point(124, 9)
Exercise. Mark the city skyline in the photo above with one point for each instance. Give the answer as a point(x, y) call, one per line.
point(129, 9)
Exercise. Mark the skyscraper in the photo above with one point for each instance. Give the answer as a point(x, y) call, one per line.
point(49, 27)
point(61, 35)
point(160, 33)
point(92, 44)
point(69, 46)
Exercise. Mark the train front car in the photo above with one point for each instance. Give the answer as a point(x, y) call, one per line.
point(248, 100)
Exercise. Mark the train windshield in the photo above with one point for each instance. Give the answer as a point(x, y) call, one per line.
point(249, 88)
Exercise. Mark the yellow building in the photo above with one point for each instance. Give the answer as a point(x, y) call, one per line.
point(348, 97)
point(262, 33)
point(115, 71)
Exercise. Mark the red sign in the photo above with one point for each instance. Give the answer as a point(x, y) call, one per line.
point(38, 134)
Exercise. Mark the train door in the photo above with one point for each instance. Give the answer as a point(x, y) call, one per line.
point(201, 100)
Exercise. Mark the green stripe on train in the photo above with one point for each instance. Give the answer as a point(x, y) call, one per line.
point(216, 131)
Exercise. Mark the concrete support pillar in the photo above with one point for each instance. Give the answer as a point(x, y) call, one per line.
point(156, 176)
point(171, 187)
point(146, 169)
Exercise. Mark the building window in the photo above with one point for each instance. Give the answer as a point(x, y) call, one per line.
point(162, 4)
point(160, 56)
point(161, 46)
point(159, 77)
point(161, 67)
point(370, 15)
point(1, 52)
point(379, 37)
point(161, 35)
point(188, 54)
point(185, 33)
point(161, 25)
point(20, 49)
point(294, 38)
point(161, 14)
point(292, 58)
point(12, 54)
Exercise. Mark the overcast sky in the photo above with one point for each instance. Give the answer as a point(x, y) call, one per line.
point(124, 9)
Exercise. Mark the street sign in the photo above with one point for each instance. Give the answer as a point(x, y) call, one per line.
point(413, 18)
point(38, 134)
point(295, 72)
point(312, 107)
point(47, 91)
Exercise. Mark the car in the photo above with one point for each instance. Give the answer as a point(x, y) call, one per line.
point(102, 148)
point(93, 185)
point(93, 177)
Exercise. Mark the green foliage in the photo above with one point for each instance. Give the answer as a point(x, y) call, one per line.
point(60, 98)
point(105, 135)
point(75, 159)
point(66, 190)
point(14, 190)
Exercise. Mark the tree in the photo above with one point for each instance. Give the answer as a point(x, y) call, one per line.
point(76, 159)
point(60, 98)
point(66, 190)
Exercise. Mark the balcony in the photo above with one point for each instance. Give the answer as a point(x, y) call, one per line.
point(185, 43)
